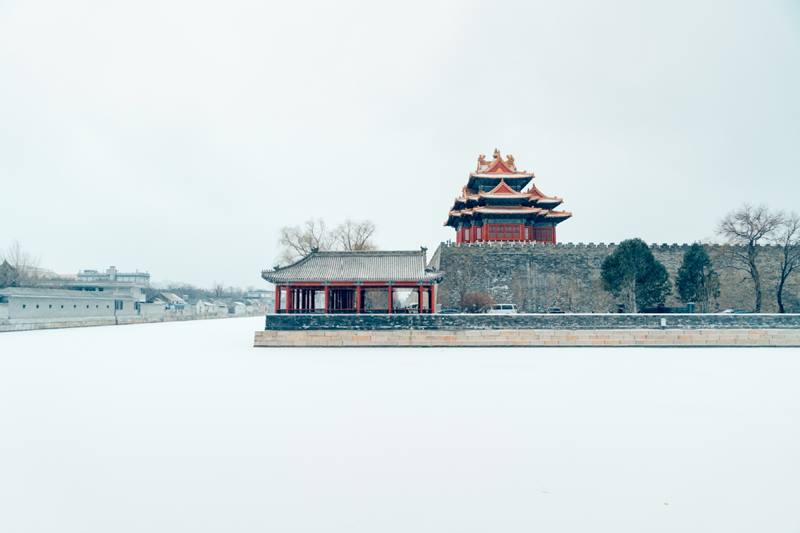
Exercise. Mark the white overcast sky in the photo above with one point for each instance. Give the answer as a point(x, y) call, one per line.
point(177, 137)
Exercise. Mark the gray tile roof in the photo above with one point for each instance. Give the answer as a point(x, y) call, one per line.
point(356, 266)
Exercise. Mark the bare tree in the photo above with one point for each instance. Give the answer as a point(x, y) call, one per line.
point(218, 289)
point(476, 302)
point(788, 238)
point(463, 278)
point(299, 241)
point(350, 236)
point(25, 264)
point(354, 236)
point(744, 229)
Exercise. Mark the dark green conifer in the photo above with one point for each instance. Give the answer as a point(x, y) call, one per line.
point(633, 274)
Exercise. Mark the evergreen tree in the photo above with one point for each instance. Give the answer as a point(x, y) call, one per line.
point(631, 272)
point(697, 281)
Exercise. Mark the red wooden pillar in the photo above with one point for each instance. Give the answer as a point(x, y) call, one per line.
point(391, 299)
point(522, 232)
point(277, 299)
point(419, 299)
point(358, 298)
point(432, 298)
point(327, 296)
point(288, 299)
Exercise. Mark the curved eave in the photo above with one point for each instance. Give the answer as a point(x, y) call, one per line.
point(504, 196)
point(481, 210)
point(499, 175)
point(558, 215)
point(282, 280)
point(549, 203)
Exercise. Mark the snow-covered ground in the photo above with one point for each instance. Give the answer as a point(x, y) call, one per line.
point(183, 427)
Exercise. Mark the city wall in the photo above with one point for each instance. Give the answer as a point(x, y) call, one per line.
point(536, 277)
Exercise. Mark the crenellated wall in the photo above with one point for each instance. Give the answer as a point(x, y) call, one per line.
point(567, 275)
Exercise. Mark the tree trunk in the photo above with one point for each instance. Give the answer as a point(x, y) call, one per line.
point(779, 294)
point(757, 284)
point(755, 275)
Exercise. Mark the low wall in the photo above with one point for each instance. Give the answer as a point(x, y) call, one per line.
point(530, 330)
point(104, 321)
point(528, 337)
point(531, 321)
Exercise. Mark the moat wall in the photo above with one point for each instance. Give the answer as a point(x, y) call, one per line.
point(538, 276)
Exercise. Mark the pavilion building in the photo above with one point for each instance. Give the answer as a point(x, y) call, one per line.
point(356, 282)
point(494, 207)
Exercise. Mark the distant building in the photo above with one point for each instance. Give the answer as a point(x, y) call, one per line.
point(172, 302)
point(114, 288)
point(27, 304)
point(123, 284)
point(8, 275)
point(258, 294)
point(112, 275)
point(205, 308)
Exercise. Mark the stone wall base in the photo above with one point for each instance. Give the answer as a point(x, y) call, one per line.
point(529, 337)
point(104, 321)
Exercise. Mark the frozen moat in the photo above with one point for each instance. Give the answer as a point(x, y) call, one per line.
point(184, 427)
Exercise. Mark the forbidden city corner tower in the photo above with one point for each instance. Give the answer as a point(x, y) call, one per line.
point(493, 206)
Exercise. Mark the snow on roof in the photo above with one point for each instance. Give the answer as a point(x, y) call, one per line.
point(356, 266)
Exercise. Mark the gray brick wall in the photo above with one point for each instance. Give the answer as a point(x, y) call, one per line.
point(465, 322)
point(536, 277)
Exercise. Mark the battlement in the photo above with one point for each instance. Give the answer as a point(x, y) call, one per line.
point(589, 245)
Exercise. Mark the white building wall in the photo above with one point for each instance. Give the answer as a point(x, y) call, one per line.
point(152, 310)
point(44, 308)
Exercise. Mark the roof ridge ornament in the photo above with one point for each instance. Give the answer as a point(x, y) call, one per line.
point(510, 162)
point(497, 158)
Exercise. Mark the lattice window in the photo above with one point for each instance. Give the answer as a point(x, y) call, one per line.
point(503, 232)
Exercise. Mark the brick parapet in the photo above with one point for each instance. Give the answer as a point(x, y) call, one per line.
point(530, 321)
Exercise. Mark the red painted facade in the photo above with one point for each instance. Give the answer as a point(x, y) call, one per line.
point(303, 297)
point(494, 207)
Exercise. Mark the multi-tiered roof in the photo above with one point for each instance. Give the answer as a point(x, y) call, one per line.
point(493, 205)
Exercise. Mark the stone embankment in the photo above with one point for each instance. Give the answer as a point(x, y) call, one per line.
point(106, 321)
point(530, 330)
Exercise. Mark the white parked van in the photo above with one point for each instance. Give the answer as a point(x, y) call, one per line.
point(502, 309)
